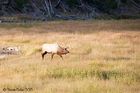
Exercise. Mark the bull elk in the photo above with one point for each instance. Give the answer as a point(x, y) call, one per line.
point(53, 49)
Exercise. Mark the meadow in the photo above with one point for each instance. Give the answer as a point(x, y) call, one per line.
point(104, 57)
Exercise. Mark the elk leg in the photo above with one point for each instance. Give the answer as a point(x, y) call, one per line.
point(52, 56)
point(60, 56)
point(43, 55)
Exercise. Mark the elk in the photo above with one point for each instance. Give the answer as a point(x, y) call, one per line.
point(53, 49)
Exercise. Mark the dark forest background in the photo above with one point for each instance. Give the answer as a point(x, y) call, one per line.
point(45, 10)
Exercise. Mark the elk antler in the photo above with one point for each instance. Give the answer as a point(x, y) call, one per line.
point(66, 46)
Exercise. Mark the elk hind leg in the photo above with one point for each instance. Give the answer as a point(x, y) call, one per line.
point(43, 54)
point(52, 56)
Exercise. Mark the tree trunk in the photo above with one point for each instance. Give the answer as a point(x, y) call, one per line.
point(58, 4)
point(135, 3)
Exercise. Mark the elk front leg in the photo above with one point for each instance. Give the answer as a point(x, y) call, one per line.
point(52, 56)
point(60, 56)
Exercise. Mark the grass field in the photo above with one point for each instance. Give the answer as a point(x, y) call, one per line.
point(104, 57)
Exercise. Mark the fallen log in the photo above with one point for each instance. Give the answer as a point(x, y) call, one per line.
point(1, 21)
point(70, 17)
point(5, 21)
point(10, 50)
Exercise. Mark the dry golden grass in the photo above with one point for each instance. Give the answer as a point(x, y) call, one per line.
point(104, 57)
